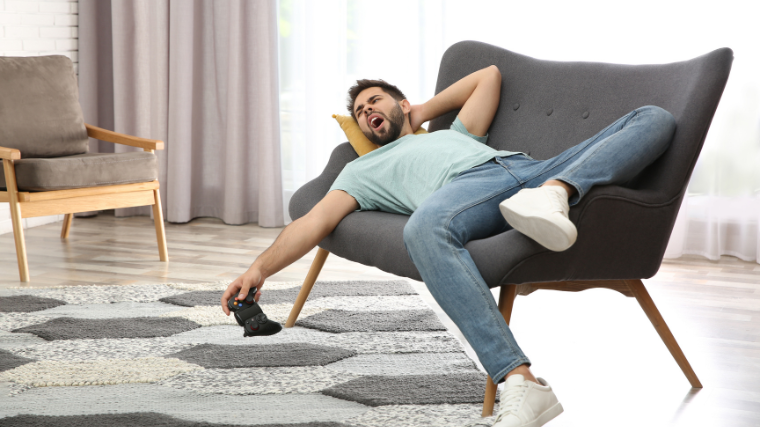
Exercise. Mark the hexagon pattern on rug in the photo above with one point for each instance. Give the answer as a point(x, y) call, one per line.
point(97, 372)
point(365, 343)
point(65, 328)
point(379, 321)
point(129, 420)
point(238, 356)
point(405, 364)
point(288, 295)
point(214, 316)
point(27, 304)
point(412, 389)
point(9, 360)
point(259, 381)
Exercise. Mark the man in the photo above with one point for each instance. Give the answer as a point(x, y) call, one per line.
point(454, 186)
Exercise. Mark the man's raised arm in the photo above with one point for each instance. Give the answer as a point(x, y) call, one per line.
point(297, 239)
point(476, 94)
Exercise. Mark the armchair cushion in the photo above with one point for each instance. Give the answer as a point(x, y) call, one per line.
point(84, 170)
point(39, 109)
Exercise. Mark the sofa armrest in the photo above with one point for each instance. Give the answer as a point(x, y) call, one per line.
point(120, 138)
point(9, 153)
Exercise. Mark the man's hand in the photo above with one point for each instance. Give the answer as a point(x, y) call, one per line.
point(295, 241)
point(241, 286)
point(476, 95)
point(417, 117)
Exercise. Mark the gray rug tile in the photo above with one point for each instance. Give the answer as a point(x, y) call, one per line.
point(9, 360)
point(412, 389)
point(142, 327)
point(406, 364)
point(128, 420)
point(26, 304)
point(185, 405)
point(351, 321)
point(257, 381)
point(195, 298)
point(320, 290)
point(235, 356)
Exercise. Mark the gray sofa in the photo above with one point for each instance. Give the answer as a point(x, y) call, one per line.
point(545, 108)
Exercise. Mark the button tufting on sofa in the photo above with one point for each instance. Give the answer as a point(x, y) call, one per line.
point(516, 106)
point(549, 111)
point(585, 114)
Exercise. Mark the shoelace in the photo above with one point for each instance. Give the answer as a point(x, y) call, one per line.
point(511, 399)
point(558, 201)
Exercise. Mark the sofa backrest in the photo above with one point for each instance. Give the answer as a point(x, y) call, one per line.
point(39, 107)
point(549, 106)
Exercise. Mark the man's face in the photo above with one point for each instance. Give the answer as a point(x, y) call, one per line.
point(380, 117)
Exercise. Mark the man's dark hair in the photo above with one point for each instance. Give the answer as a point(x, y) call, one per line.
point(360, 85)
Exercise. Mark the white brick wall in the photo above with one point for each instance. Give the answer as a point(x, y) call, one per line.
point(31, 28)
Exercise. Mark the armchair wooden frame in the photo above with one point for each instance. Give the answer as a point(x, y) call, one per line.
point(69, 202)
point(507, 295)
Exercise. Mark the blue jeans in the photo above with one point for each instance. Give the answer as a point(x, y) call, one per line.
point(467, 209)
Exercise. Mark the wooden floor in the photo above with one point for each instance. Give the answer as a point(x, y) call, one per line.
point(596, 348)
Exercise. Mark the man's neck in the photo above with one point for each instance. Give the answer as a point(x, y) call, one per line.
point(406, 130)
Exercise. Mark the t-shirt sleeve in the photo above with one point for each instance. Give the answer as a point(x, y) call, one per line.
point(348, 182)
point(459, 127)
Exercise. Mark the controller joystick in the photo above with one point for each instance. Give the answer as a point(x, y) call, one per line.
point(249, 315)
point(261, 325)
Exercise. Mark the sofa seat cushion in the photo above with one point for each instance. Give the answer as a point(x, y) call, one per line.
point(84, 170)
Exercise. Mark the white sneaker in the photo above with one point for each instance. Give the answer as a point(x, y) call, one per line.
point(541, 214)
point(526, 404)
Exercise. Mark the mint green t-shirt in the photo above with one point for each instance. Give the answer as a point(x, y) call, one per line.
point(399, 176)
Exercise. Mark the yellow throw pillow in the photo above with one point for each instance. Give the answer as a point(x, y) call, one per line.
point(356, 137)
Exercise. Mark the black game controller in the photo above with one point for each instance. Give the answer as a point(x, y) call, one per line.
point(250, 316)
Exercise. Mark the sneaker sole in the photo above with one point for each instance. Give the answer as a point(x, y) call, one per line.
point(544, 231)
point(547, 416)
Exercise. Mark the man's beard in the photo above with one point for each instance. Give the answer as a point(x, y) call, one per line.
point(396, 123)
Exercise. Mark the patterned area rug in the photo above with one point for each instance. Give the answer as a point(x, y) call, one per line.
point(363, 354)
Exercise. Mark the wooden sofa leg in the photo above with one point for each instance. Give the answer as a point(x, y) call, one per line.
point(316, 267)
point(158, 221)
point(16, 219)
point(67, 219)
point(647, 304)
point(506, 301)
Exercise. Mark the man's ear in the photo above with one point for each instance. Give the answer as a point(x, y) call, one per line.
point(406, 106)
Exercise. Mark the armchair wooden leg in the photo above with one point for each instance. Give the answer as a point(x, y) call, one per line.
point(316, 267)
point(642, 296)
point(67, 219)
point(158, 221)
point(16, 219)
point(506, 301)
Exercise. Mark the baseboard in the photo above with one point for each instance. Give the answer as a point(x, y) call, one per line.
point(6, 226)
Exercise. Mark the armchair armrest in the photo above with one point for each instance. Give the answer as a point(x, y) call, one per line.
point(120, 138)
point(9, 153)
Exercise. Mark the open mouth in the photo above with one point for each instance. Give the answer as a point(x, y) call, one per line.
point(375, 121)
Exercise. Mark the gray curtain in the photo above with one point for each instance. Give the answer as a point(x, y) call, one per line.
point(202, 76)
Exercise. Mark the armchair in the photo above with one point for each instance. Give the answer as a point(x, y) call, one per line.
point(43, 146)
point(545, 108)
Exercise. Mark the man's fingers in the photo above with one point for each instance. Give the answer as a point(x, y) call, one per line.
point(230, 293)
